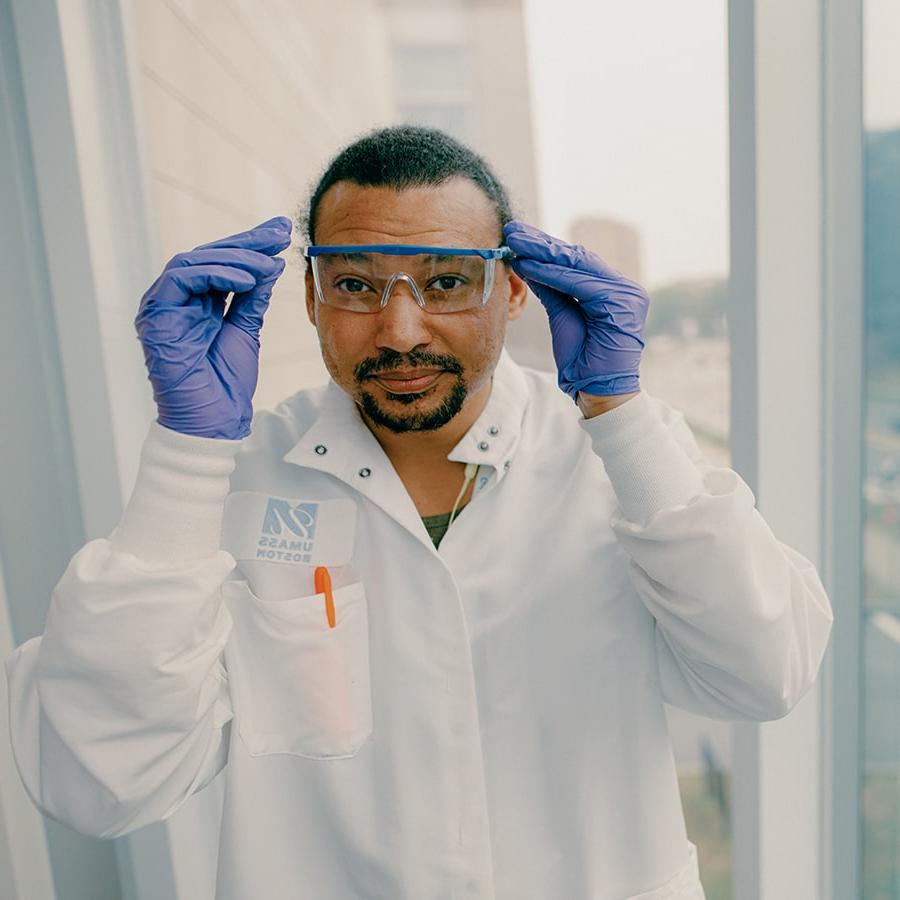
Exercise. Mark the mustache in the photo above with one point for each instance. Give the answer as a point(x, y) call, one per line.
point(387, 361)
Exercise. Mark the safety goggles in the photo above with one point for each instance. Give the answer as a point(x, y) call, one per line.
point(360, 277)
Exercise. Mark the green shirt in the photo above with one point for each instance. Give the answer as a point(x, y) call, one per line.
point(437, 525)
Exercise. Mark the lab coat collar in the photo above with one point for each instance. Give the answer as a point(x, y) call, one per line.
point(494, 436)
point(340, 443)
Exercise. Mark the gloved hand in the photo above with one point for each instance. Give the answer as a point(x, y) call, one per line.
point(203, 363)
point(596, 314)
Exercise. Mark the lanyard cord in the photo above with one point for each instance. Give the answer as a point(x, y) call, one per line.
point(471, 472)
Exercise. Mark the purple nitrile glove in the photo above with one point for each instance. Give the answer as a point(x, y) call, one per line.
point(203, 363)
point(596, 314)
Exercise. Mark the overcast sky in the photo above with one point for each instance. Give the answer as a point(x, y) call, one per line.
point(631, 121)
point(630, 99)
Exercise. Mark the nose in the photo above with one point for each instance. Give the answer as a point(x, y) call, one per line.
point(402, 323)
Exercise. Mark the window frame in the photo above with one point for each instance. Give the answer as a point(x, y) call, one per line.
point(795, 90)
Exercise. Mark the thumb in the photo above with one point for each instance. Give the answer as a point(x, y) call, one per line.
point(247, 308)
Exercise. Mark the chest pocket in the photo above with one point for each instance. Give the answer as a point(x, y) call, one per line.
point(300, 686)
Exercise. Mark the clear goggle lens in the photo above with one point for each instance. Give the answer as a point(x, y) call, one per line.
point(440, 283)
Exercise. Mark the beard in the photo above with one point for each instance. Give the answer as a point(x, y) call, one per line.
point(427, 420)
point(415, 420)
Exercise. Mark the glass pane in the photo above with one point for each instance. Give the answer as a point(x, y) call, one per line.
point(881, 546)
point(650, 195)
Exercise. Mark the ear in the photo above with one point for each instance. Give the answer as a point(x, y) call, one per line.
point(518, 293)
point(310, 296)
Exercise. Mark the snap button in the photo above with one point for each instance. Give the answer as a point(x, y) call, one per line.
point(321, 449)
point(483, 445)
point(494, 429)
point(365, 473)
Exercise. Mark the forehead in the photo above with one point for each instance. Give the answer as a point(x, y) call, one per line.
point(455, 213)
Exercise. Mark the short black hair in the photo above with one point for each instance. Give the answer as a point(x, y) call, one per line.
point(403, 156)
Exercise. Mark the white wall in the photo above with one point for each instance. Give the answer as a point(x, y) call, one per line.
point(243, 105)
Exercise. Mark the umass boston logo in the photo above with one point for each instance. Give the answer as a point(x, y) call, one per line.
point(288, 531)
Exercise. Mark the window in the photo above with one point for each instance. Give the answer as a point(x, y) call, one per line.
point(881, 540)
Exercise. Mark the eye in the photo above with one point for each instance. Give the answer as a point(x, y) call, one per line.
point(351, 285)
point(447, 282)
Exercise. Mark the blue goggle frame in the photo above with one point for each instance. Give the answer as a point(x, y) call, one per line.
point(407, 250)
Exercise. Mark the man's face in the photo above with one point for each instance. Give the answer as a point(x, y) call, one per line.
point(401, 338)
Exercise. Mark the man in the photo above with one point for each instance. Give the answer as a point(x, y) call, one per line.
point(404, 709)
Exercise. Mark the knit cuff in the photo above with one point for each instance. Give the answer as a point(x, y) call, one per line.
point(648, 468)
point(174, 515)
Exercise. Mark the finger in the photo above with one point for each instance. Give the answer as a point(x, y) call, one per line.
point(265, 237)
point(594, 300)
point(280, 224)
point(573, 282)
point(531, 243)
point(523, 229)
point(177, 286)
point(257, 264)
point(248, 308)
point(554, 301)
point(567, 322)
point(267, 240)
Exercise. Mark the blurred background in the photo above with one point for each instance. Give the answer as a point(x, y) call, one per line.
point(739, 159)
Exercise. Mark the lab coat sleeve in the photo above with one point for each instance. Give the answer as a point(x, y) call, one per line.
point(118, 711)
point(742, 620)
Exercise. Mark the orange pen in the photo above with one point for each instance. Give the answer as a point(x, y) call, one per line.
point(323, 585)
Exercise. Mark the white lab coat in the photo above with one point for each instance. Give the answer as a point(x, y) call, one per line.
point(486, 720)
